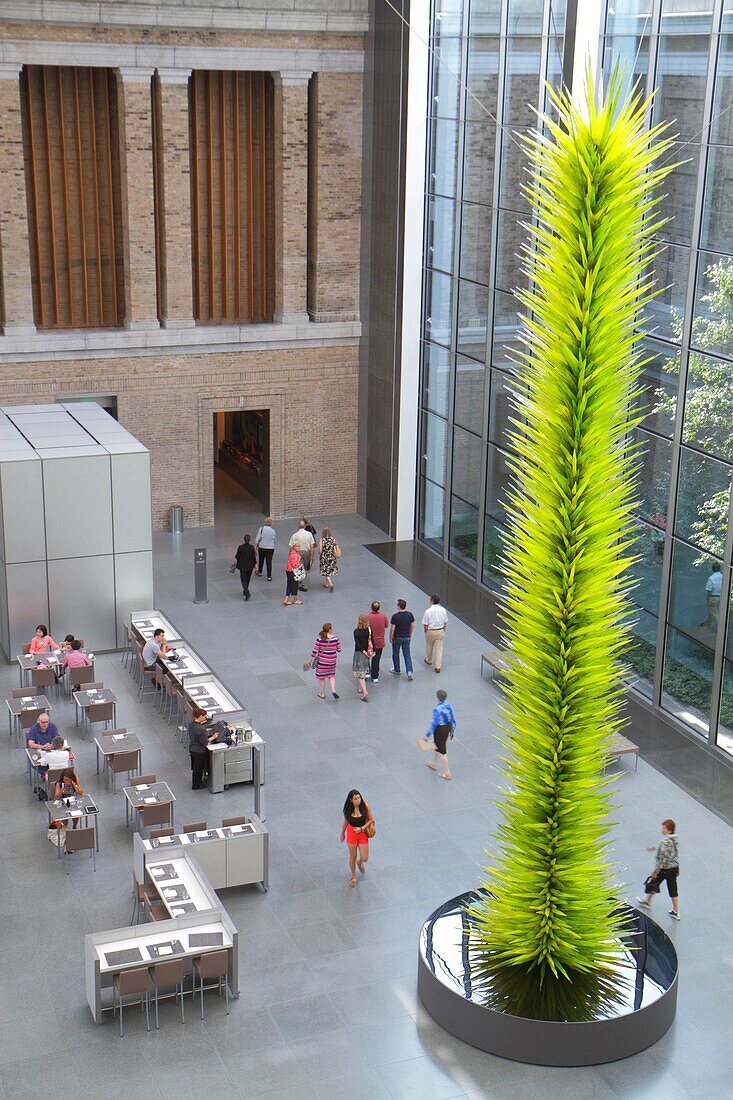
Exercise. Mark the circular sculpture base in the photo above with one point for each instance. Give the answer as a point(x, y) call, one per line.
point(451, 995)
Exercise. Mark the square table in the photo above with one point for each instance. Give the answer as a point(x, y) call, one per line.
point(149, 794)
point(28, 661)
point(77, 809)
point(28, 702)
point(34, 760)
point(110, 744)
point(84, 699)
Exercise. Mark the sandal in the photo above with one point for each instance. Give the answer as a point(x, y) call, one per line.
point(297, 601)
point(353, 882)
point(444, 776)
point(320, 696)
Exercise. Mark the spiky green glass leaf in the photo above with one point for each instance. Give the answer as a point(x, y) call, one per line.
point(548, 907)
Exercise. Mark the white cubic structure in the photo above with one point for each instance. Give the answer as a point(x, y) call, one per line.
point(75, 524)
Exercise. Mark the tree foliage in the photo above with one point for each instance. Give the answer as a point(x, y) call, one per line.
point(547, 906)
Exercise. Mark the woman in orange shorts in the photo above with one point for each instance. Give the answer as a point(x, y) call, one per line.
point(357, 816)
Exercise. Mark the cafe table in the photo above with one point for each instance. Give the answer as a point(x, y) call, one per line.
point(28, 661)
point(74, 809)
point(109, 744)
point(145, 795)
point(35, 759)
point(84, 699)
point(27, 702)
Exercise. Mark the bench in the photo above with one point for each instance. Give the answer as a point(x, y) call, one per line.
point(497, 662)
point(621, 746)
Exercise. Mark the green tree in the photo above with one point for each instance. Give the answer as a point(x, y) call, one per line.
point(546, 912)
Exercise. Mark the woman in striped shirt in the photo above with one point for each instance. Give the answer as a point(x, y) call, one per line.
point(324, 654)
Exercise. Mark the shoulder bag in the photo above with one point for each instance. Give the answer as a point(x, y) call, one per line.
point(336, 549)
point(370, 829)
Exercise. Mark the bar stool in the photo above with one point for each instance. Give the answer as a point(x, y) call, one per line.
point(167, 975)
point(155, 833)
point(215, 964)
point(126, 647)
point(127, 983)
point(225, 821)
point(145, 897)
point(195, 827)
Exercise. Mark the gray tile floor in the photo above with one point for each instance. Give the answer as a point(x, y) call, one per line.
point(328, 1005)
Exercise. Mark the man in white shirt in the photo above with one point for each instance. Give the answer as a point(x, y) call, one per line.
point(713, 589)
point(305, 542)
point(434, 624)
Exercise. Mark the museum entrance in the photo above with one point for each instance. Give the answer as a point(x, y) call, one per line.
point(242, 454)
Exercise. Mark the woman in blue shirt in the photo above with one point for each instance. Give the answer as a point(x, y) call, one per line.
point(442, 726)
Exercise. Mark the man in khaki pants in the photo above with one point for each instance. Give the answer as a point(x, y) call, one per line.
point(434, 624)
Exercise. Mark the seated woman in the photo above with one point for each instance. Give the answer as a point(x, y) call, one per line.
point(67, 785)
point(42, 641)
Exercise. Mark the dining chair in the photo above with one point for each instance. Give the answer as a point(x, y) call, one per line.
point(80, 840)
point(129, 983)
point(124, 762)
point(26, 719)
point(157, 814)
point(26, 649)
point(21, 693)
point(215, 964)
point(138, 779)
point(81, 677)
point(100, 712)
point(43, 678)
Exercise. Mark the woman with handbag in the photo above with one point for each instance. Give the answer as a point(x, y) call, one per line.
point(329, 552)
point(294, 574)
point(324, 654)
point(666, 868)
point(363, 653)
point(357, 829)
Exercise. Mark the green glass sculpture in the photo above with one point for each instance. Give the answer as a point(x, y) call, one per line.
point(547, 914)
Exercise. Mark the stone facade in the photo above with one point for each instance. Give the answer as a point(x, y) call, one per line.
point(168, 375)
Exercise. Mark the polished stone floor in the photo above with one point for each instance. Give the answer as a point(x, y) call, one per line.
point(327, 973)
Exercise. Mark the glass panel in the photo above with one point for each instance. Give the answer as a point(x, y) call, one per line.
point(466, 466)
point(479, 150)
point(687, 16)
point(722, 128)
point(435, 449)
point(690, 610)
point(476, 242)
point(500, 407)
point(506, 329)
point(630, 53)
point(484, 17)
point(522, 82)
point(493, 547)
point(511, 235)
point(654, 473)
point(431, 514)
point(628, 16)
point(525, 17)
point(642, 652)
point(709, 405)
point(686, 684)
point(681, 75)
point(725, 729)
point(446, 85)
point(702, 502)
point(483, 79)
point(463, 535)
point(497, 485)
point(717, 225)
point(441, 230)
point(677, 203)
point(657, 401)
point(436, 374)
point(439, 307)
point(443, 156)
point(729, 627)
point(469, 402)
point(448, 17)
point(647, 569)
point(712, 328)
point(514, 166)
point(473, 307)
point(664, 316)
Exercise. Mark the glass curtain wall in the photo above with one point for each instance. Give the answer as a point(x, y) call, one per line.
point(489, 65)
point(683, 654)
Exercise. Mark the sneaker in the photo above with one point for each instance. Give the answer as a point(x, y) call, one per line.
point(409, 675)
point(673, 915)
point(395, 671)
point(643, 901)
point(375, 681)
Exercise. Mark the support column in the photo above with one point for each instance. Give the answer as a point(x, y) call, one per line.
point(291, 197)
point(15, 264)
point(175, 193)
point(137, 190)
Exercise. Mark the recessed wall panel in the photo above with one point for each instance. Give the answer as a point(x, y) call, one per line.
point(82, 599)
point(23, 516)
point(131, 511)
point(27, 602)
point(78, 506)
point(134, 586)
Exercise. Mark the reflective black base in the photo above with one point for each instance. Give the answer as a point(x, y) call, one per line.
point(456, 999)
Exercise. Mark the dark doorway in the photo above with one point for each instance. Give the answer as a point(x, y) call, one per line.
point(242, 450)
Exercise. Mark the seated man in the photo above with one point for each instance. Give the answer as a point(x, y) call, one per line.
point(42, 733)
point(154, 647)
point(75, 658)
point(57, 756)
